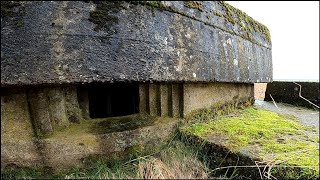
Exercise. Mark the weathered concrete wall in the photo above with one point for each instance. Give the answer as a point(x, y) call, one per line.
point(155, 99)
point(53, 108)
point(72, 149)
point(177, 100)
point(161, 99)
point(198, 96)
point(23, 143)
point(31, 113)
point(288, 92)
point(45, 125)
point(73, 41)
point(17, 144)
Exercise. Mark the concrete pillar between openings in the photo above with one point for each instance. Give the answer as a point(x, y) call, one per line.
point(143, 101)
point(39, 107)
point(72, 105)
point(251, 87)
point(154, 100)
point(175, 101)
point(164, 99)
point(57, 108)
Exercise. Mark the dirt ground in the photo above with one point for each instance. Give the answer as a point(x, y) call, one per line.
point(259, 90)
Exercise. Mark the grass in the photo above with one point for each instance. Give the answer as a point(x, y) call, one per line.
point(176, 161)
point(268, 136)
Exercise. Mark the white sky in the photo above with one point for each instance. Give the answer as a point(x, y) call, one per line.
point(294, 29)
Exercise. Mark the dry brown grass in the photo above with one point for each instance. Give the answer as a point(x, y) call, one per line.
point(172, 164)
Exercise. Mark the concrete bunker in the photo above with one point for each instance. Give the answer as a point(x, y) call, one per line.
point(85, 82)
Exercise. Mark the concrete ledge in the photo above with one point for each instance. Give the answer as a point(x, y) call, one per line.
point(109, 137)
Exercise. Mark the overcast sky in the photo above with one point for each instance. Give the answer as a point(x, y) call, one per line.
point(294, 29)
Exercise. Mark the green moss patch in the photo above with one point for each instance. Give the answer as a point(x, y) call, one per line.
point(247, 23)
point(103, 16)
point(217, 110)
point(230, 13)
point(7, 8)
point(109, 125)
point(194, 5)
point(266, 135)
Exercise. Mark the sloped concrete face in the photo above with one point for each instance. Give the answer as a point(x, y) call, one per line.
point(199, 96)
point(17, 133)
point(78, 42)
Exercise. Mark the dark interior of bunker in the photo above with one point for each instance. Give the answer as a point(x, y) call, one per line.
point(111, 100)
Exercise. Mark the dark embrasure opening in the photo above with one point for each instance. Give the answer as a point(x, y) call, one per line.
point(116, 99)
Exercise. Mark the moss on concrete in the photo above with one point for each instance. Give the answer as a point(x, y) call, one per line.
point(14, 9)
point(122, 138)
point(20, 23)
point(274, 138)
point(109, 125)
point(102, 16)
point(194, 5)
point(217, 14)
point(231, 14)
point(7, 8)
point(236, 16)
point(217, 110)
point(73, 110)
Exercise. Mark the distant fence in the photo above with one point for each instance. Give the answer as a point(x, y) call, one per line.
point(288, 92)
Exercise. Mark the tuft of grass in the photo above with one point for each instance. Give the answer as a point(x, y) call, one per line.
point(279, 135)
point(14, 172)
